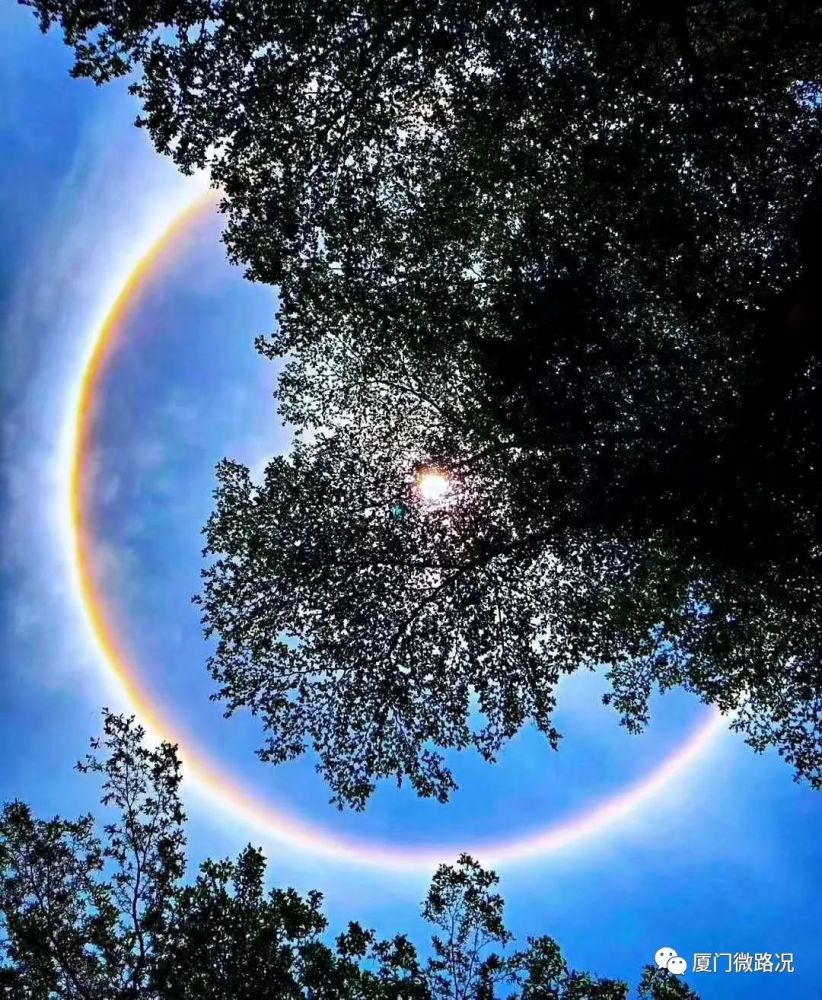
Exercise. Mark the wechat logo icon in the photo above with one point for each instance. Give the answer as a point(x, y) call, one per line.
point(667, 958)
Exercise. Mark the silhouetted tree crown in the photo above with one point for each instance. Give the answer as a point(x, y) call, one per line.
point(101, 911)
point(566, 254)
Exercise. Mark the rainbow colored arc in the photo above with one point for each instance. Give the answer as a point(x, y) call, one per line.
point(205, 774)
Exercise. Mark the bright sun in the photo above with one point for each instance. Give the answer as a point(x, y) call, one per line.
point(433, 485)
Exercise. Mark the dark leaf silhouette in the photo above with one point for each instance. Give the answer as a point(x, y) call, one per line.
point(102, 912)
point(568, 256)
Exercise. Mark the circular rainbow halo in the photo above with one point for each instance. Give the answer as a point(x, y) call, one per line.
point(227, 791)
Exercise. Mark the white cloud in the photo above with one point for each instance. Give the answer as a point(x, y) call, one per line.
point(115, 198)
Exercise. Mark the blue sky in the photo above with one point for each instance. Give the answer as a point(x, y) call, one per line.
point(725, 860)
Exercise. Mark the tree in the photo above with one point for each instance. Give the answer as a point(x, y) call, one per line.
point(565, 254)
point(368, 638)
point(82, 915)
point(86, 915)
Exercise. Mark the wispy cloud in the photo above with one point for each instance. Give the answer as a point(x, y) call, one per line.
point(114, 195)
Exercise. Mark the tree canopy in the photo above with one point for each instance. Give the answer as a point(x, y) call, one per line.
point(101, 911)
point(567, 256)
